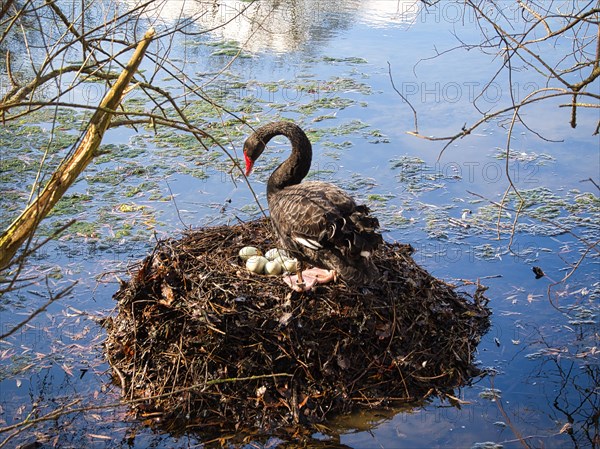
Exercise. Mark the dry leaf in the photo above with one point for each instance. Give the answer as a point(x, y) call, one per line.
point(567, 428)
point(100, 437)
point(167, 293)
point(285, 318)
point(68, 369)
point(383, 331)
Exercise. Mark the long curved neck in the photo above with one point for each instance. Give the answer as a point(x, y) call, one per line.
point(294, 168)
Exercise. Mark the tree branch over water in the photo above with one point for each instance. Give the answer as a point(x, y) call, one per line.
point(554, 47)
point(516, 36)
point(41, 77)
point(72, 166)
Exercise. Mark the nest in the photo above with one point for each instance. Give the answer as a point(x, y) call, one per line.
point(200, 341)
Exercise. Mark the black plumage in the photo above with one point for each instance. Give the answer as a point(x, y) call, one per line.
point(317, 222)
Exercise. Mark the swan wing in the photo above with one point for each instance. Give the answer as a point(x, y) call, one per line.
point(320, 216)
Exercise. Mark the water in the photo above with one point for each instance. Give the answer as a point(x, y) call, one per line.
point(327, 66)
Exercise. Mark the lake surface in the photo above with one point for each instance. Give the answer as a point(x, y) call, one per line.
point(329, 66)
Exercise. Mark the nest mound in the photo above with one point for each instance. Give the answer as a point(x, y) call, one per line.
point(201, 342)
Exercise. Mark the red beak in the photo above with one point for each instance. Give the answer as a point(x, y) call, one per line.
point(249, 165)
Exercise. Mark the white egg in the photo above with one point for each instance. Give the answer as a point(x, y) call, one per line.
point(275, 253)
point(273, 267)
point(256, 264)
point(290, 265)
point(281, 260)
point(248, 251)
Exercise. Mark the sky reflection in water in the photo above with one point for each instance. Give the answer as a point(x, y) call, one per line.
point(537, 353)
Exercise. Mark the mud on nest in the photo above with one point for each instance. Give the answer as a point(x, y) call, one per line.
point(200, 342)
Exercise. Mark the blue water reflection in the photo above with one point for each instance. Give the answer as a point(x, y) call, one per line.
point(543, 361)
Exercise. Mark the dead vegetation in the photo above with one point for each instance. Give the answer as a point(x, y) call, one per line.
point(200, 342)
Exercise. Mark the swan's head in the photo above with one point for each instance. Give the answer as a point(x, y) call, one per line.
point(253, 148)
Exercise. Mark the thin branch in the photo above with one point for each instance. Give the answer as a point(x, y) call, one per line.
point(416, 131)
point(41, 309)
point(543, 220)
point(64, 410)
point(592, 181)
point(574, 268)
point(498, 401)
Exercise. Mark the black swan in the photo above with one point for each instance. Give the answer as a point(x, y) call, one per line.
point(317, 222)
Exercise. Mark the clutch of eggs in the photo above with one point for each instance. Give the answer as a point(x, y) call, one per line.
point(274, 262)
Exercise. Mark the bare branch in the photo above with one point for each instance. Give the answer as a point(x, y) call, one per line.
point(416, 131)
point(41, 309)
